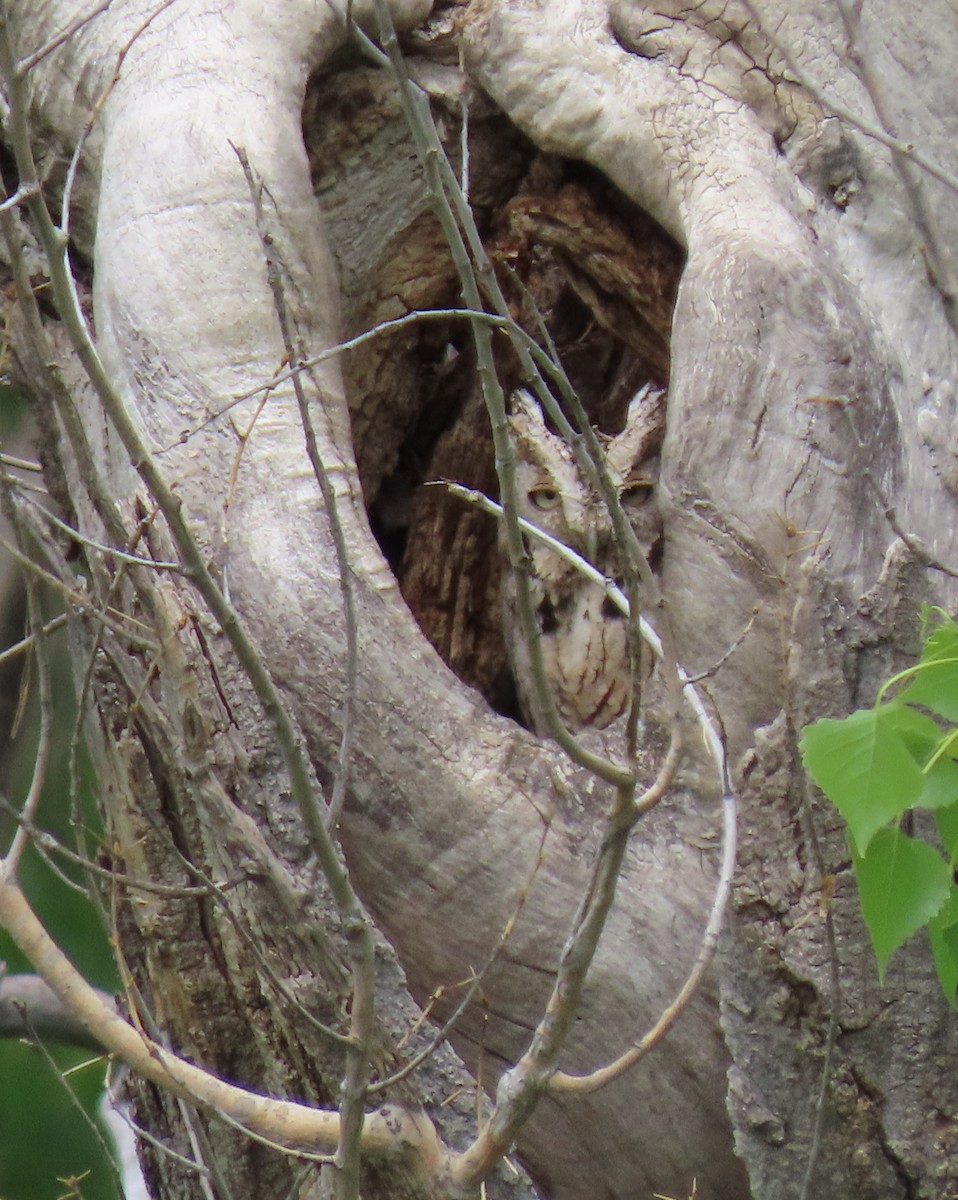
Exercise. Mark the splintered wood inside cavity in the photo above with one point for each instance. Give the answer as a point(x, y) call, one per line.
point(572, 254)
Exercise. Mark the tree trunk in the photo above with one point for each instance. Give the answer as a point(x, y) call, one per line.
point(798, 355)
point(805, 338)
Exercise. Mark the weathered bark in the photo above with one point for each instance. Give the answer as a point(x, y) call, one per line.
point(799, 364)
point(774, 325)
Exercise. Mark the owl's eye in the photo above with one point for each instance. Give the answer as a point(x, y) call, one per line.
point(544, 497)
point(637, 492)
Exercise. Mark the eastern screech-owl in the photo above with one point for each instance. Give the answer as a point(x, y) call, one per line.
point(584, 642)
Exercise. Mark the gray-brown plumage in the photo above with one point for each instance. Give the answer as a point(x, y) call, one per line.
point(584, 642)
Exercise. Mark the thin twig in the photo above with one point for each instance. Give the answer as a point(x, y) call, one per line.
point(42, 755)
point(904, 154)
point(120, 555)
point(869, 128)
point(85, 1119)
point(290, 370)
point(464, 179)
point(446, 1028)
point(888, 509)
point(20, 464)
point(584, 1084)
point(203, 1154)
point(25, 65)
point(158, 1144)
point(716, 666)
point(477, 277)
point(285, 1123)
point(20, 196)
point(50, 847)
point(41, 844)
point(356, 928)
point(27, 642)
point(77, 599)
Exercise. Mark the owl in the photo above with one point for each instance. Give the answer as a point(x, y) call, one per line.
point(583, 634)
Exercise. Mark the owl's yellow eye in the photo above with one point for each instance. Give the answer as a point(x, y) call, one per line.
point(544, 497)
point(637, 492)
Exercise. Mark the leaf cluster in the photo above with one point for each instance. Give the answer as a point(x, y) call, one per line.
point(877, 765)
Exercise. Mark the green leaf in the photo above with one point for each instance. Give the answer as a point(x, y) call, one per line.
point(947, 822)
point(12, 407)
point(902, 884)
point(936, 683)
point(918, 731)
point(943, 929)
point(926, 743)
point(939, 788)
point(864, 766)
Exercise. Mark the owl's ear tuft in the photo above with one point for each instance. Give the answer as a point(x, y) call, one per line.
point(526, 417)
point(642, 435)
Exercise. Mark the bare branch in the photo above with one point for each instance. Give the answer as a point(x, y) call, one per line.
point(194, 562)
point(290, 370)
point(113, 551)
point(25, 643)
point(583, 1084)
point(285, 1123)
point(28, 1004)
point(473, 985)
point(27, 64)
point(883, 136)
point(477, 277)
point(905, 155)
point(358, 936)
point(41, 658)
point(520, 1088)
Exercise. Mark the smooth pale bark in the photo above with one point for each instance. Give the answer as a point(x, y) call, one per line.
point(776, 318)
point(184, 319)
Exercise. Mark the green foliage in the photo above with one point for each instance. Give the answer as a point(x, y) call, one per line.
point(44, 1137)
point(902, 884)
point(878, 764)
